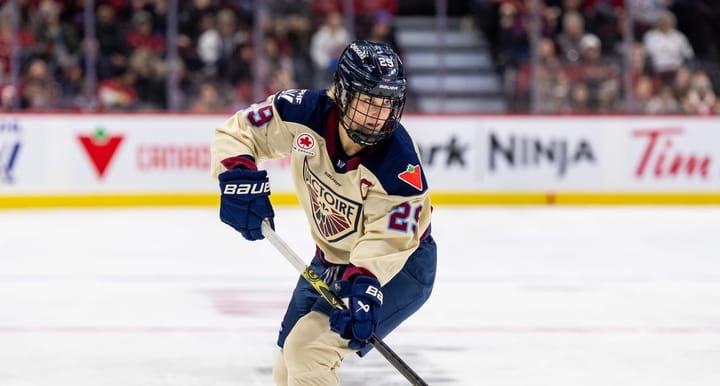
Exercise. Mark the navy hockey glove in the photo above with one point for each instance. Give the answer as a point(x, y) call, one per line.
point(244, 201)
point(358, 322)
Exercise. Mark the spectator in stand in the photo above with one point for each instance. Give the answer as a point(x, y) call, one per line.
point(118, 92)
point(608, 97)
point(382, 31)
point(694, 19)
point(38, 88)
point(208, 45)
point(639, 66)
point(73, 94)
point(598, 69)
point(592, 69)
point(130, 41)
point(193, 19)
point(25, 37)
point(664, 102)
point(146, 61)
point(279, 68)
point(325, 47)
point(281, 79)
point(551, 16)
point(579, 99)
point(569, 39)
point(209, 99)
point(564, 7)
point(605, 18)
point(511, 38)
point(667, 48)
point(59, 40)
point(551, 81)
point(645, 14)
point(150, 79)
point(701, 99)
point(367, 13)
point(4, 81)
point(111, 44)
point(293, 26)
point(322, 8)
point(242, 70)
point(189, 17)
point(159, 11)
point(127, 9)
point(142, 34)
point(643, 93)
point(218, 46)
point(681, 83)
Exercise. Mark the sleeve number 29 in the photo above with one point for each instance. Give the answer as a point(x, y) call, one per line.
point(260, 117)
point(405, 217)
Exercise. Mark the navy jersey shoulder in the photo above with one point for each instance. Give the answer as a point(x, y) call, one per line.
point(306, 107)
point(397, 165)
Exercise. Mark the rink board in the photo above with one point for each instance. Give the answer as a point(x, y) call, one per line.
point(66, 160)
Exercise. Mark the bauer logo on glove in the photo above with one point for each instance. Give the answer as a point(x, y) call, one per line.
point(262, 187)
point(245, 202)
point(357, 323)
point(374, 291)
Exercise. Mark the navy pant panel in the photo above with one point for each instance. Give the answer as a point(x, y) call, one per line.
point(403, 295)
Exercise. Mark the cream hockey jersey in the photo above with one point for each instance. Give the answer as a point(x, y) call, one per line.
point(370, 210)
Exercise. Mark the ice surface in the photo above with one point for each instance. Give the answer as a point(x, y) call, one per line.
point(525, 296)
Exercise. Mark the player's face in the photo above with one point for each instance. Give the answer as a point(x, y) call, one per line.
point(368, 114)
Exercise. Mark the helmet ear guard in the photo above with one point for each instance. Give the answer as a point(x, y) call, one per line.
point(375, 70)
point(344, 97)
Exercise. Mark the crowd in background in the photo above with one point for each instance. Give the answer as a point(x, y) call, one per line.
point(580, 61)
point(215, 45)
point(583, 59)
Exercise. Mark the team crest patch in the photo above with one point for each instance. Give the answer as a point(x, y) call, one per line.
point(412, 176)
point(304, 143)
point(335, 216)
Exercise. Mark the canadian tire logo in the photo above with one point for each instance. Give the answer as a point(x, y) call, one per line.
point(412, 177)
point(100, 148)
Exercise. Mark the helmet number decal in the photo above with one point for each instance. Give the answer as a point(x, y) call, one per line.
point(260, 117)
point(405, 217)
point(386, 62)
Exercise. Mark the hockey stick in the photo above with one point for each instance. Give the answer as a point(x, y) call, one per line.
point(324, 290)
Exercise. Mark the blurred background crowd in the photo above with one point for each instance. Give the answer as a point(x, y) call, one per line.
point(216, 56)
point(643, 56)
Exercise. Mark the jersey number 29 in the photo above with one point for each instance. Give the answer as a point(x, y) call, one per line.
point(405, 217)
point(260, 117)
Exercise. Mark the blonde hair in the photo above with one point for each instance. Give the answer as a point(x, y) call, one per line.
point(331, 92)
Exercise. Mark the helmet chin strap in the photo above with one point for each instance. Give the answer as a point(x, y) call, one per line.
point(365, 139)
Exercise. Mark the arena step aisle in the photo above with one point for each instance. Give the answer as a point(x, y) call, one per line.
point(470, 84)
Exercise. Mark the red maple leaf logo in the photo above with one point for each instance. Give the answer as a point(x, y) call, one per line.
point(100, 148)
point(305, 141)
point(412, 176)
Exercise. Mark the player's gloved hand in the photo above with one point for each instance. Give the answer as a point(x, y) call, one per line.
point(358, 322)
point(244, 201)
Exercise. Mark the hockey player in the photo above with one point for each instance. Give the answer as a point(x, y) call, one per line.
point(358, 177)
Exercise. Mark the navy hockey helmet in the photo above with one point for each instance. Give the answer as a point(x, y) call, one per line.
point(370, 88)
